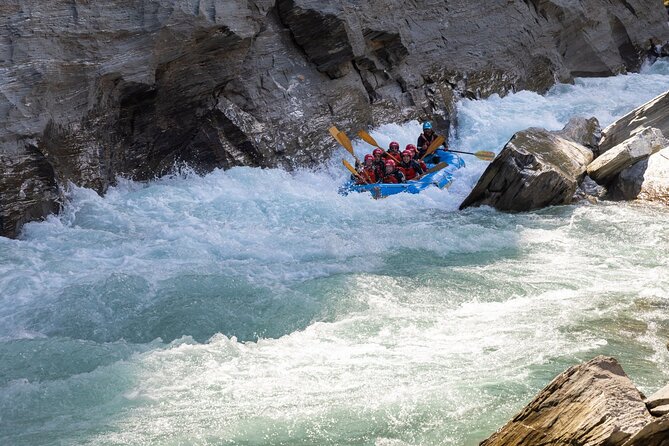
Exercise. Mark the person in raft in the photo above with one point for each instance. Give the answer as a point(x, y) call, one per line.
point(414, 154)
point(411, 168)
point(393, 175)
point(379, 162)
point(368, 171)
point(425, 139)
point(394, 152)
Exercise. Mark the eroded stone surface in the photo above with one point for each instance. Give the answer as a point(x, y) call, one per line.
point(589, 404)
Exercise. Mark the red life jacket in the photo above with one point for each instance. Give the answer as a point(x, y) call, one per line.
point(395, 177)
point(369, 173)
point(409, 172)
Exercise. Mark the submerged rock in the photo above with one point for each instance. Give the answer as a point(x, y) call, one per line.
point(535, 169)
point(589, 404)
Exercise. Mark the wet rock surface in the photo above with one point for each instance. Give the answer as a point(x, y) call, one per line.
point(593, 404)
point(132, 89)
point(535, 169)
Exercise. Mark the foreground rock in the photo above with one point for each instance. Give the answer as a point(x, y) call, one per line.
point(91, 93)
point(618, 158)
point(535, 169)
point(590, 404)
point(654, 113)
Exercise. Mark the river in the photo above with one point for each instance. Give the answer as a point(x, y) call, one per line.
point(259, 307)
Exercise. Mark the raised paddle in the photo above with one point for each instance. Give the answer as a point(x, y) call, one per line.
point(354, 172)
point(434, 146)
point(371, 141)
point(343, 140)
point(484, 155)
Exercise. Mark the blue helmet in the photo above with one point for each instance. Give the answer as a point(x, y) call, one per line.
point(427, 125)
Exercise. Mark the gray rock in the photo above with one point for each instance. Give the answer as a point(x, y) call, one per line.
point(589, 404)
point(535, 169)
point(646, 180)
point(638, 147)
point(589, 191)
point(136, 88)
point(654, 113)
point(585, 131)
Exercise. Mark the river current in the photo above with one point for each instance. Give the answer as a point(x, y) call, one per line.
point(259, 307)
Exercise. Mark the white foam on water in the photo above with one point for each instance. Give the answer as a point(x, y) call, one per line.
point(257, 306)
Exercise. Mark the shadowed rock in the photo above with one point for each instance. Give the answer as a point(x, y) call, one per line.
point(592, 404)
point(535, 169)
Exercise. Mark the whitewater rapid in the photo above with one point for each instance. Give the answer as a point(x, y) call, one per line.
point(260, 307)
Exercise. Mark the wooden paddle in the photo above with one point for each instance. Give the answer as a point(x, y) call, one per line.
point(484, 155)
point(369, 140)
point(434, 146)
point(437, 167)
point(344, 141)
point(354, 172)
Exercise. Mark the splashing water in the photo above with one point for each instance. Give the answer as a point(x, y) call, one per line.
point(259, 307)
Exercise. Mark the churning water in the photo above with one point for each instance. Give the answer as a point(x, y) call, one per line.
point(259, 307)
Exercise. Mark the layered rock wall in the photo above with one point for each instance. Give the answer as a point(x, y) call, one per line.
point(135, 87)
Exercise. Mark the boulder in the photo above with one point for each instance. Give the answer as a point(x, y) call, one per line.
point(647, 180)
point(654, 113)
point(589, 404)
point(638, 147)
point(535, 169)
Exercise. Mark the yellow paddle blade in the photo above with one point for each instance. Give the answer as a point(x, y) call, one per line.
point(343, 139)
point(434, 146)
point(367, 138)
point(485, 155)
point(334, 131)
point(353, 171)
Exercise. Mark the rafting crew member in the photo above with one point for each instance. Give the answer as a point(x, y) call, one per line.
point(425, 139)
point(411, 168)
point(368, 171)
point(379, 163)
point(392, 174)
point(414, 155)
point(394, 152)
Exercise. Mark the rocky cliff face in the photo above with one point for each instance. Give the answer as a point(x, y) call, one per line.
point(135, 87)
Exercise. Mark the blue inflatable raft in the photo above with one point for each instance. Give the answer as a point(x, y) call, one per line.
point(441, 179)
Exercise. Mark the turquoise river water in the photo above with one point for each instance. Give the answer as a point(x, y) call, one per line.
point(259, 307)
